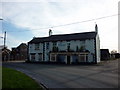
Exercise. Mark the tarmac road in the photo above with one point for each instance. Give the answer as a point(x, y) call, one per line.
point(104, 75)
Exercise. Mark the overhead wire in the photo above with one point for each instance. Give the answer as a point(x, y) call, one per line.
point(70, 23)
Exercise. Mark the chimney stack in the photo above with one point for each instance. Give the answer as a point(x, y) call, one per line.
point(50, 32)
point(96, 28)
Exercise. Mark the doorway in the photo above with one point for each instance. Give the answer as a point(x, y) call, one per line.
point(68, 59)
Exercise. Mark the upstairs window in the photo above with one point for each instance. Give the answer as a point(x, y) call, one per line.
point(68, 46)
point(37, 47)
point(30, 47)
point(47, 45)
point(54, 44)
point(83, 42)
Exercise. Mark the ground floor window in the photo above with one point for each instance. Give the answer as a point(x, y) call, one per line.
point(82, 58)
point(53, 57)
point(40, 56)
point(75, 58)
point(61, 58)
point(69, 57)
point(32, 56)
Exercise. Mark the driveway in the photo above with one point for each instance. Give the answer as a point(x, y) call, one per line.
point(104, 75)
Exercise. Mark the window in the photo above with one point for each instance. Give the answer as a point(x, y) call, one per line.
point(32, 56)
point(83, 42)
point(47, 45)
point(68, 44)
point(55, 48)
point(82, 58)
point(40, 57)
point(54, 44)
point(43, 51)
point(53, 57)
point(37, 47)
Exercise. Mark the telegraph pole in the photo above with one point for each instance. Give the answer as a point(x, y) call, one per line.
point(4, 39)
point(1, 28)
point(4, 36)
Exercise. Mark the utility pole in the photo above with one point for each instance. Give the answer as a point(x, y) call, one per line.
point(1, 28)
point(4, 39)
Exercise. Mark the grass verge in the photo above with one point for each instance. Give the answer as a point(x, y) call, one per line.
point(15, 79)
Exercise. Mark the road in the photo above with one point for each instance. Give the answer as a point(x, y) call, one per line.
point(104, 75)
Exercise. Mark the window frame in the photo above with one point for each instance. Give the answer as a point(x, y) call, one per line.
point(32, 55)
point(53, 58)
point(37, 46)
point(47, 45)
point(40, 56)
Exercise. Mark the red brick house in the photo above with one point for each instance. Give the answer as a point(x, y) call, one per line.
point(19, 53)
point(5, 54)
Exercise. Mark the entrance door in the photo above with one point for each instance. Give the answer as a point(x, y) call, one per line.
point(68, 59)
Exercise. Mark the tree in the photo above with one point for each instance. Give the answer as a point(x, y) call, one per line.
point(55, 49)
point(113, 51)
point(82, 48)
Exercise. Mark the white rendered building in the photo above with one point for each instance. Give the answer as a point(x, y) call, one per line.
point(66, 48)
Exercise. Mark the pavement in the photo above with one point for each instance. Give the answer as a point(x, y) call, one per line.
point(103, 75)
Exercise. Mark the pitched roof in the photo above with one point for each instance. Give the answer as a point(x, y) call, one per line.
point(22, 44)
point(103, 51)
point(63, 37)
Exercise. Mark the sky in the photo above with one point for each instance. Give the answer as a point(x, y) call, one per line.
point(25, 19)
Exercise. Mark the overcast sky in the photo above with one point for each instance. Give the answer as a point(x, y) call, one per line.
point(24, 19)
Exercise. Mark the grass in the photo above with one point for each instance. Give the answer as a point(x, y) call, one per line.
point(15, 79)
